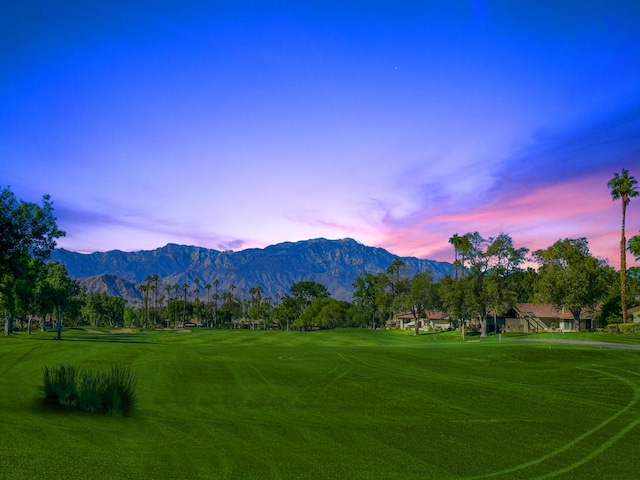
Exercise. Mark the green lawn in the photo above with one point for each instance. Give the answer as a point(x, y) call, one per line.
point(332, 404)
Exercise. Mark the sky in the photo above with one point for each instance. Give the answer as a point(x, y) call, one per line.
point(233, 125)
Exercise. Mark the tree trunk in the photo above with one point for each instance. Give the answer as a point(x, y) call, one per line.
point(29, 325)
point(623, 266)
point(8, 327)
point(576, 320)
point(59, 327)
point(416, 329)
point(462, 329)
point(483, 326)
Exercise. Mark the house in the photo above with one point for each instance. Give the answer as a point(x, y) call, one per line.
point(528, 317)
point(429, 320)
point(406, 321)
point(634, 314)
point(438, 320)
point(194, 322)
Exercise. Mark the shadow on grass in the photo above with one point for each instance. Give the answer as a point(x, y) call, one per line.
point(104, 338)
point(41, 404)
point(44, 406)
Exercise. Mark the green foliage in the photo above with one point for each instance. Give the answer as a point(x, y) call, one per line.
point(60, 385)
point(292, 307)
point(610, 312)
point(629, 328)
point(113, 391)
point(369, 299)
point(60, 295)
point(325, 313)
point(623, 187)
point(485, 285)
point(28, 234)
point(634, 246)
point(570, 277)
point(523, 282)
point(102, 309)
point(419, 298)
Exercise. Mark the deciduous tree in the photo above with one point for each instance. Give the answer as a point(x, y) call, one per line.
point(570, 277)
point(28, 231)
point(486, 287)
point(60, 294)
point(420, 297)
point(367, 296)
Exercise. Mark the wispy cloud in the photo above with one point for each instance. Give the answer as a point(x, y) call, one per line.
point(555, 188)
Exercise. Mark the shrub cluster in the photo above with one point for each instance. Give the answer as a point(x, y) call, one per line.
point(111, 391)
point(629, 328)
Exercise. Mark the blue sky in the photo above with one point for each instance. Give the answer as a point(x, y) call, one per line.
point(242, 124)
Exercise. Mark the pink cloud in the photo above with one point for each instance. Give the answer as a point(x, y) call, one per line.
point(536, 218)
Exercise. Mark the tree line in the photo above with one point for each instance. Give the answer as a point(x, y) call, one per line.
point(488, 279)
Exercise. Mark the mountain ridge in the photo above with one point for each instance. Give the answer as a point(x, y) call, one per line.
point(334, 263)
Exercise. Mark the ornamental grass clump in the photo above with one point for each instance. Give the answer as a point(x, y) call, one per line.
point(60, 385)
point(112, 391)
point(121, 390)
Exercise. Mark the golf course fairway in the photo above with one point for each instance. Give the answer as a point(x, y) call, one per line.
point(343, 404)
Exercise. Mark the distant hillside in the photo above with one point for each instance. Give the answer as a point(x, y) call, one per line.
point(112, 285)
point(334, 263)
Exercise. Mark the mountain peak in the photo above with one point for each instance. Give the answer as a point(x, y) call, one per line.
point(334, 263)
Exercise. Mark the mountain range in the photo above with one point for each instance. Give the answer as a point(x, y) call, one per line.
point(334, 263)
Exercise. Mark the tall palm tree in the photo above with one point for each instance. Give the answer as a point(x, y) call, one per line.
point(461, 245)
point(455, 241)
point(216, 283)
point(197, 292)
point(623, 188)
point(176, 288)
point(169, 288)
point(207, 287)
point(146, 287)
point(185, 286)
point(155, 298)
point(232, 287)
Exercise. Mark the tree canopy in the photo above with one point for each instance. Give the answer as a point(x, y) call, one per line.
point(570, 277)
point(28, 233)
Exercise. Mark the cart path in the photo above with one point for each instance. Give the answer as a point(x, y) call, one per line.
point(583, 342)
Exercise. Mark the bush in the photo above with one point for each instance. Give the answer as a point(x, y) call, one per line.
point(629, 328)
point(111, 392)
point(60, 385)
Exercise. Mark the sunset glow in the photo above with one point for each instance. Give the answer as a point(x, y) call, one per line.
point(231, 125)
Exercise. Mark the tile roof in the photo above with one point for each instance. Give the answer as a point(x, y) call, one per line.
point(540, 310)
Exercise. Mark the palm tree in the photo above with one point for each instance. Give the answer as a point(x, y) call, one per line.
point(197, 292)
point(455, 241)
point(216, 283)
point(161, 302)
point(232, 287)
point(461, 245)
point(155, 298)
point(168, 287)
point(145, 288)
point(185, 286)
point(176, 288)
point(207, 287)
point(623, 188)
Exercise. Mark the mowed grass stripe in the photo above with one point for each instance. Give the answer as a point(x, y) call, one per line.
point(347, 404)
